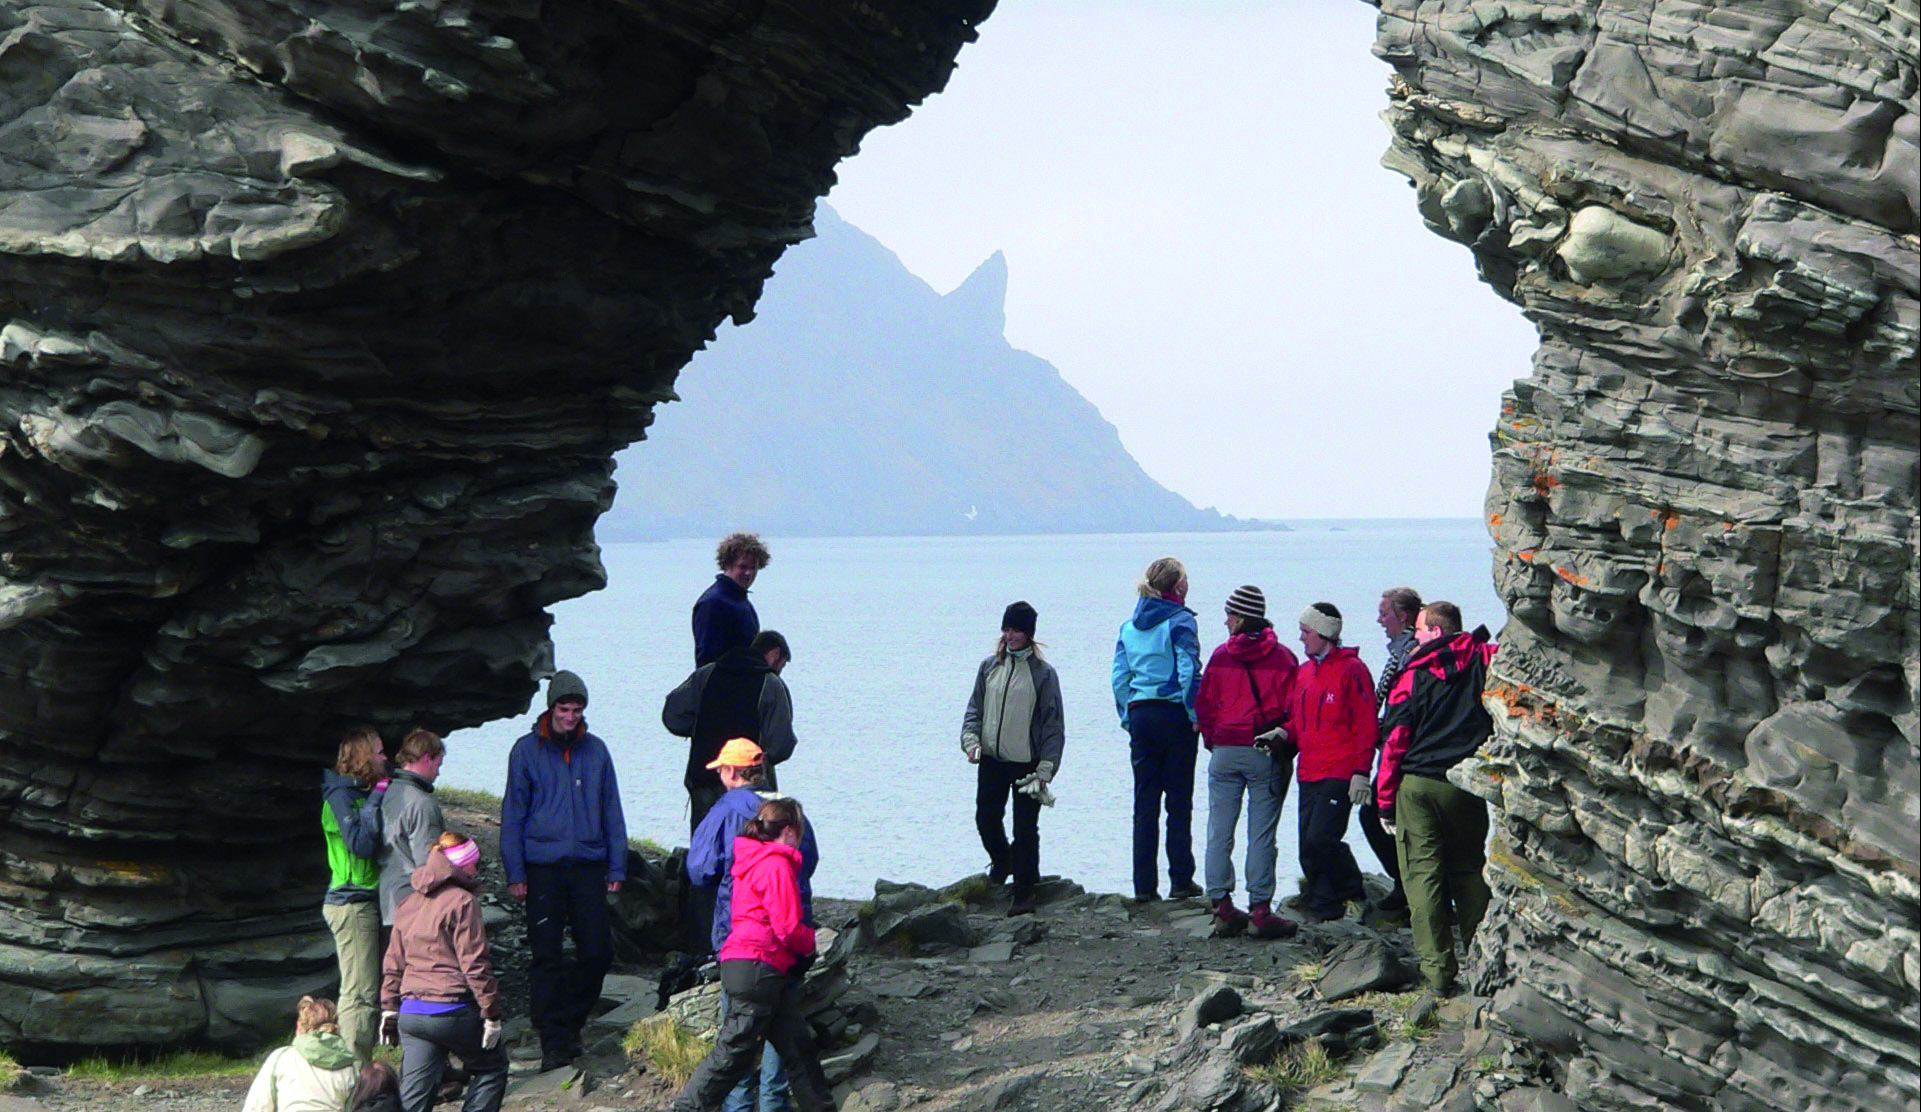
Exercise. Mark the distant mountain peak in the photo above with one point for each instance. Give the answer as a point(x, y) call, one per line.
point(983, 296)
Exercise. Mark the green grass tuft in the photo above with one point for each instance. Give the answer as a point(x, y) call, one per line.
point(10, 1071)
point(468, 799)
point(1309, 971)
point(647, 848)
point(181, 1063)
point(665, 1048)
point(1300, 1067)
point(972, 890)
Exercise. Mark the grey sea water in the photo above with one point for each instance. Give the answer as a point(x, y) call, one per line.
point(887, 633)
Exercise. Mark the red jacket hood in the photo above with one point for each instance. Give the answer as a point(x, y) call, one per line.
point(1246, 648)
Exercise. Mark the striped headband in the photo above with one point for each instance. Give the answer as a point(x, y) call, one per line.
point(463, 856)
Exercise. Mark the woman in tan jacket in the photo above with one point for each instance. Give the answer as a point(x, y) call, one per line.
point(438, 994)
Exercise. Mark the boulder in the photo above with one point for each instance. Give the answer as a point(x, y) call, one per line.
point(1358, 966)
point(1216, 1003)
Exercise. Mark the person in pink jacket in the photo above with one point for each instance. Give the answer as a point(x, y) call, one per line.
point(767, 952)
point(1330, 716)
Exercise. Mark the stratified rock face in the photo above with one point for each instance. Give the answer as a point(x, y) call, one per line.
point(1705, 768)
point(321, 322)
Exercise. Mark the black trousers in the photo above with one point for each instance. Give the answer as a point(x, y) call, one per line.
point(1162, 745)
point(1382, 843)
point(563, 993)
point(425, 1042)
point(763, 1006)
point(1327, 865)
point(1020, 859)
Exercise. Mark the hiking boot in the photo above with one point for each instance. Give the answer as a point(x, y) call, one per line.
point(1395, 902)
point(1263, 923)
point(1186, 891)
point(1023, 902)
point(1323, 915)
point(1146, 897)
point(1229, 921)
point(997, 876)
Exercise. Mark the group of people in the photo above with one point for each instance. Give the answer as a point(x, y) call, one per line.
point(1263, 713)
point(1349, 739)
point(415, 967)
point(416, 971)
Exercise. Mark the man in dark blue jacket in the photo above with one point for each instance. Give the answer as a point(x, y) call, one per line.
point(723, 618)
point(710, 864)
point(563, 844)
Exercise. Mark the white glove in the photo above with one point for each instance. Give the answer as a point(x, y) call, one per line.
point(390, 1028)
point(1045, 770)
point(1269, 739)
point(1032, 785)
point(1387, 824)
point(489, 1034)
point(1359, 791)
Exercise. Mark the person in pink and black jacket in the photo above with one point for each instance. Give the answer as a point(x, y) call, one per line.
point(1330, 718)
point(1435, 720)
point(766, 954)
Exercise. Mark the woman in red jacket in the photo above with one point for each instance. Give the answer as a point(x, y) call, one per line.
point(767, 952)
point(1331, 718)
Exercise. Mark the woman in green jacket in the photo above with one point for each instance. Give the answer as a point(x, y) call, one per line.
point(350, 820)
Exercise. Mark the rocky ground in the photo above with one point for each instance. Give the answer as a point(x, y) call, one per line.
point(937, 999)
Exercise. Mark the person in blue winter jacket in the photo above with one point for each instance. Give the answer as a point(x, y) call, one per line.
point(1157, 664)
point(724, 618)
point(563, 845)
point(710, 864)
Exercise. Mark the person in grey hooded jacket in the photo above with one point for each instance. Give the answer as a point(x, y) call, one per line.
point(1015, 731)
point(410, 817)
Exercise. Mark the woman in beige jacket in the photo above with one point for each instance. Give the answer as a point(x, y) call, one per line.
point(315, 1074)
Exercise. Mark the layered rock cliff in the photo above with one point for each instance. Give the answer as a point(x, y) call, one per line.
point(321, 322)
point(1703, 503)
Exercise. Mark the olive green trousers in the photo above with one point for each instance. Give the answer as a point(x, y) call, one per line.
point(1440, 836)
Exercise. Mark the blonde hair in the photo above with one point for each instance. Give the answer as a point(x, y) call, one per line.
point(1162, 576)
point(361, 756)
point(449, 839)
point(315, 1013)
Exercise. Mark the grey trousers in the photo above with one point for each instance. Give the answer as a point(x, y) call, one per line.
point(1233, 772)
point(425, 1042)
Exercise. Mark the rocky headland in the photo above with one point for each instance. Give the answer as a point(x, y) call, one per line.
point(1703, 504)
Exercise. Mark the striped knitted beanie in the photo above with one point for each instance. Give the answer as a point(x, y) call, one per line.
point(1247, 602)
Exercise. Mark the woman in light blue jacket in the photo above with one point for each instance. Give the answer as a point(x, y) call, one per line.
point(1157, 662)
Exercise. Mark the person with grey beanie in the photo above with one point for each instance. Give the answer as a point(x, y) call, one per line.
point(563, 846)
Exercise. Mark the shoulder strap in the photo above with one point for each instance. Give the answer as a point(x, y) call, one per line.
point(1256, 689)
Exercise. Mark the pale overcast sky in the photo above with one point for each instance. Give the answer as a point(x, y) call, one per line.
point(1199, 234)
